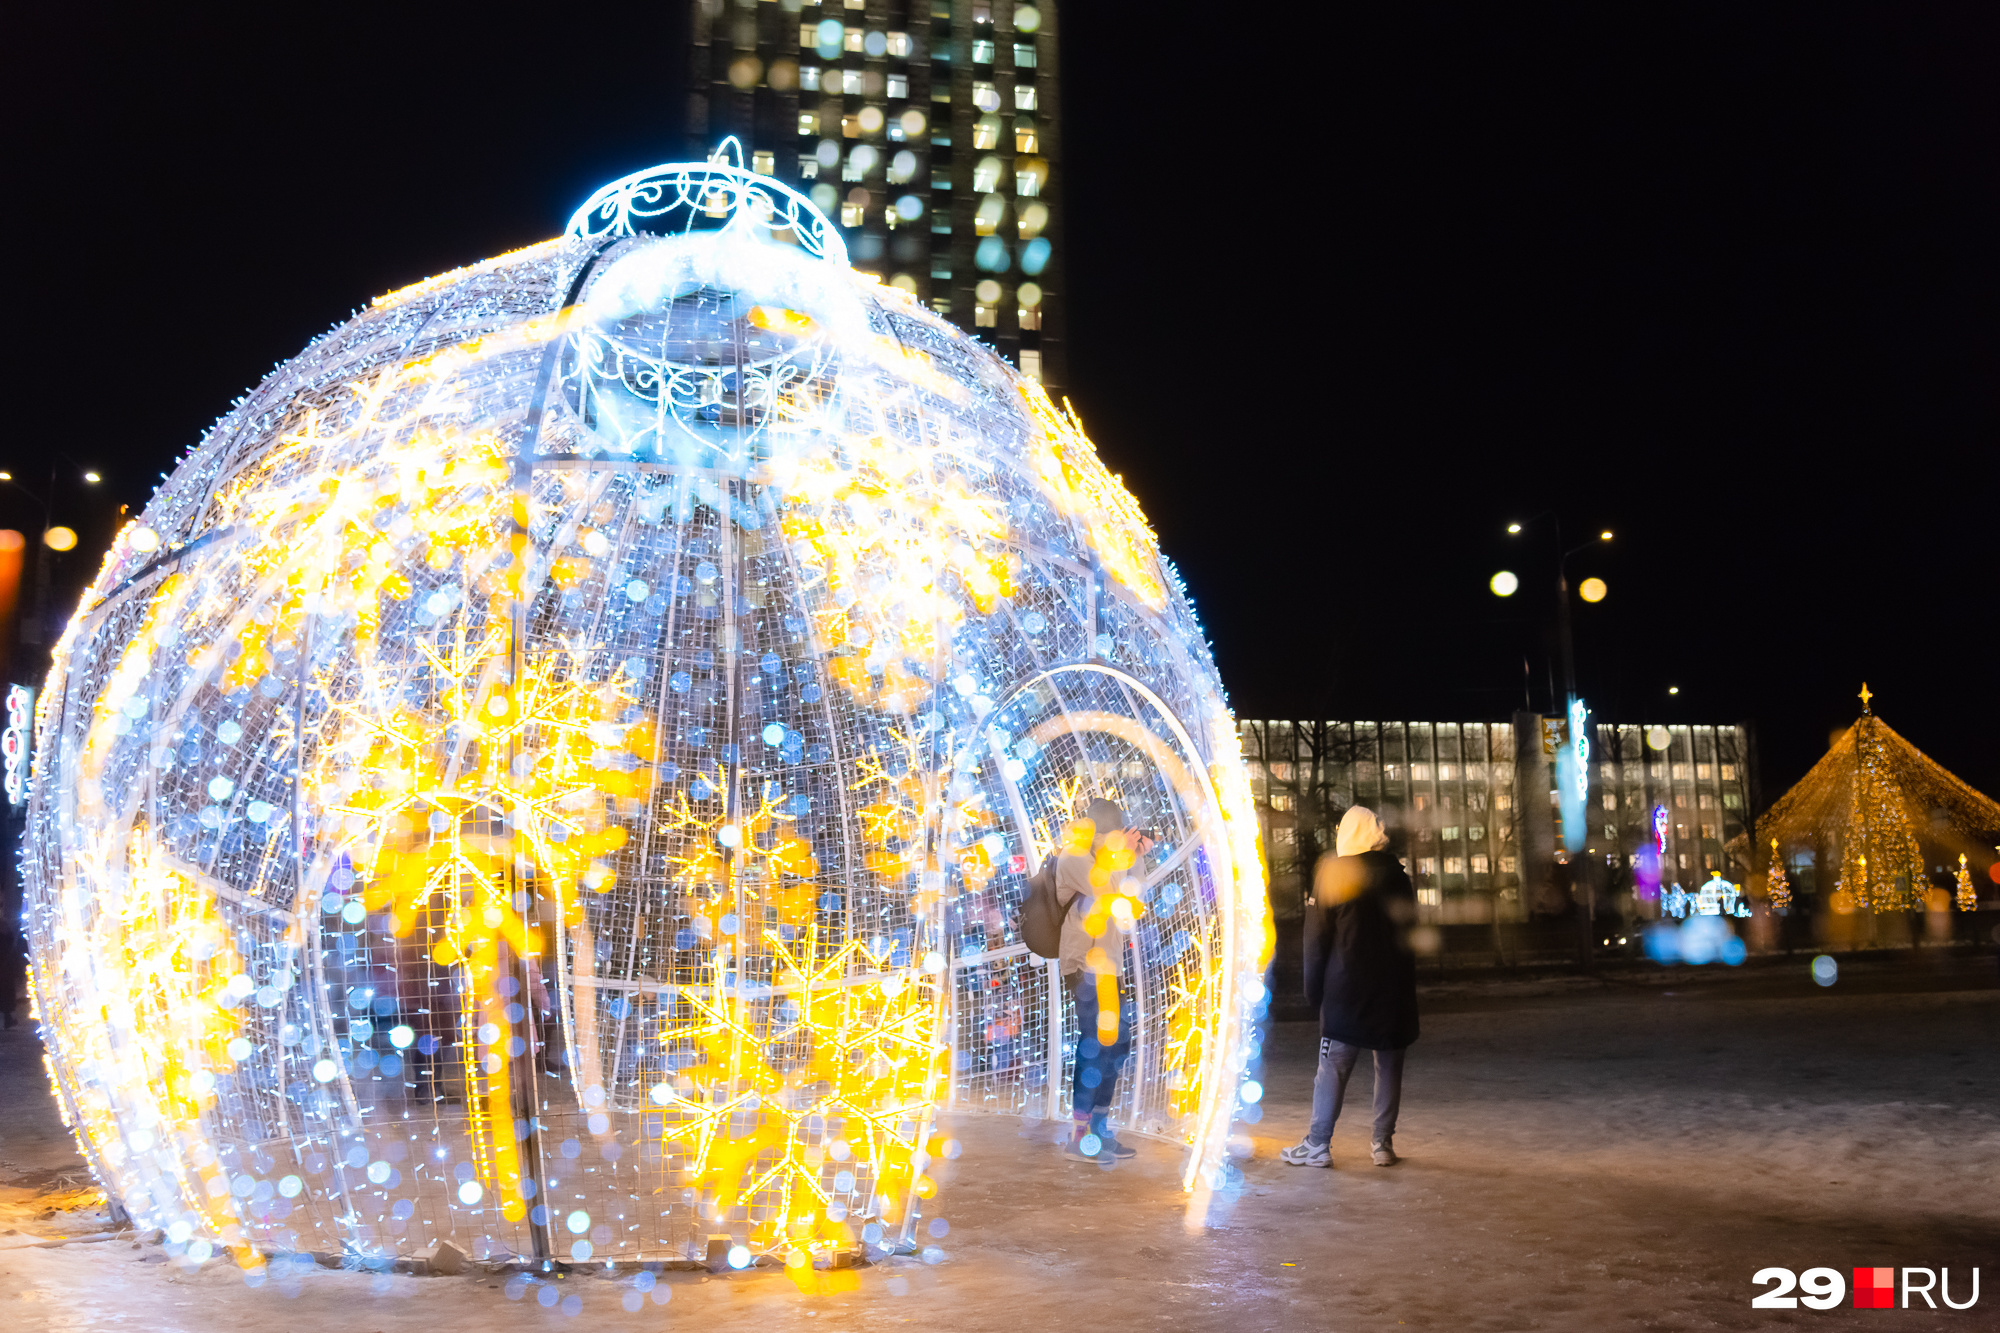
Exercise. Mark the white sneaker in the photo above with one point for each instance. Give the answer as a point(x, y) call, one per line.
point(1384, 1153)
point(1307, 1153)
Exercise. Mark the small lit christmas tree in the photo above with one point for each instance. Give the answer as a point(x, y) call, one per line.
point(1780, 887)
point(1968, 901)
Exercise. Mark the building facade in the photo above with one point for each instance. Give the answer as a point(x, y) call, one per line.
point(929, 129)
point(1471, 807)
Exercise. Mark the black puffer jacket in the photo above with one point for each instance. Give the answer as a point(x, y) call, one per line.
point(1360, 971)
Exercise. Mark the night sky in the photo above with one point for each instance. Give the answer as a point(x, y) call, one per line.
point(1347, 295)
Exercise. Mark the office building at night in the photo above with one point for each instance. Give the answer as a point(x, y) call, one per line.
point(1471, 806)
point(928, 129)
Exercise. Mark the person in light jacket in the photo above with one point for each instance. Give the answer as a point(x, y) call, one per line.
point(1362, 976)
point(1094, 888)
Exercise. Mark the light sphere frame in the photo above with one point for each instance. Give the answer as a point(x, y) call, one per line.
point(581, 730)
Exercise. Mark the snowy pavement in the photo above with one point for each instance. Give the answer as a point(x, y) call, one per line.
point(1579, 1155)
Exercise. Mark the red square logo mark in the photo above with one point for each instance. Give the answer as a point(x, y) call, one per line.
point(1874, 1288)
point(1017, 865)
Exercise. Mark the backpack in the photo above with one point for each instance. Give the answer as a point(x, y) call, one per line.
point(1042, 913)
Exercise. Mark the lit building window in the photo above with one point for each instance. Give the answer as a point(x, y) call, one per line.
point(1029, 319)
point(1454, 865)
point(809, 77)
point(902, 166)
point(1506, 865)
point(1031, 364)
point(851, 215)
point(860, 162)
point(985, 316)
point(809, 35)
point(941, 304)
point(1029, 175)
point(1024, 55)
point(940, 221)
point(1478, 865)
point(986, 176)
point(992, 210)
point(808, 122)
point(982, 51)
point(899, 44)
point(854, 36)
point(1029, 221)
point(808, 167)
point(850, 82)
point(870, 119)
point(1427, 865)
point(899, 85)
point(986, 132)
point(985, 96)
point(850, 127)
point(1024, 97)
point(763, 162)
point(1024, 136)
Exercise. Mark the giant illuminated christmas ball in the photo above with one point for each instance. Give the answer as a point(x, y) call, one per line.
point(555, 770)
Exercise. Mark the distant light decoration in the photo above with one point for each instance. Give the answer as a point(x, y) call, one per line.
point(60, 539)
point(1579, 739)
point(16, 742)
point(1659, 738)
point(1592, 590)
point(1504, 584)
point(578, 733)
point(1966, 897)
point(1661, 822)
point(1779, 886)
point(1573, 774)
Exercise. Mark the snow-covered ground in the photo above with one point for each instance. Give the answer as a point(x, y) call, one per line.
point(1580, 1155)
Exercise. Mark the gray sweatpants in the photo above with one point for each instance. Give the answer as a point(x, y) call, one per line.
point(1336, 1065)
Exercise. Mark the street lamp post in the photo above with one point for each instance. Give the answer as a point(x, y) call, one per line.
point(34, 628)
point(1566, 646)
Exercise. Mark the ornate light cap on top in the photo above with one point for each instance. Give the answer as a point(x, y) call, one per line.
point(1865, 695)
point(697, 196)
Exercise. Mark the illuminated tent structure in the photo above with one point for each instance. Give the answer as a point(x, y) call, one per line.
point(1881, 811)
point(555, 769)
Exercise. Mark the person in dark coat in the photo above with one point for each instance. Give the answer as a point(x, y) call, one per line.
point(1362, 976)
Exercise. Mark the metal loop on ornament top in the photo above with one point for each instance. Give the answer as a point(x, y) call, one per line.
point(691, 196)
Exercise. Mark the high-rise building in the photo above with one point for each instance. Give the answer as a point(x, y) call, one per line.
point(928, 129)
